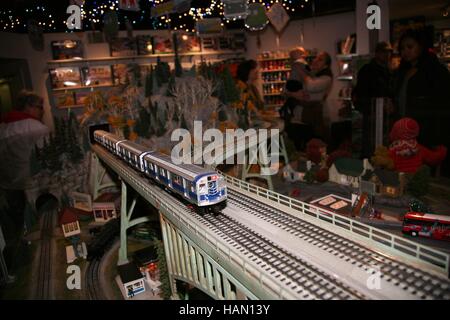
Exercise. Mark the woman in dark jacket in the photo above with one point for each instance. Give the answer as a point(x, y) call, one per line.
point(423, 90)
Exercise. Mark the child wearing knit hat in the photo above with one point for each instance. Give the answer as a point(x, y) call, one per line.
point(407, 153)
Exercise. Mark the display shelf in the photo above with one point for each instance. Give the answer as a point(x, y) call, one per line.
point(275, 70)
point(272, 59)
point(274, 94)
point(274, 82)
point(114, 60)
point(83, 87)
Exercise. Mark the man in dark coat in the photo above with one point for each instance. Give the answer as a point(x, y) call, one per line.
point(374, 81)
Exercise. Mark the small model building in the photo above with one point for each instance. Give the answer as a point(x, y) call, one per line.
point(147, 261)
point(384, 183)
point(68, 219)
point(106, 207)
point(347, 171)
point(132, 279)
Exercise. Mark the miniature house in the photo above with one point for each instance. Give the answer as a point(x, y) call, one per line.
point(106, 207)
point(132, 279)
point(147, 261)
point(347, 171)
point(384, 182)
point(68, 219)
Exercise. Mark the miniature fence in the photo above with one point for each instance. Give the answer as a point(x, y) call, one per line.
point(420, 252)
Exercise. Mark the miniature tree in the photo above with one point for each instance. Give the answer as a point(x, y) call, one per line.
point(149, 83)
point(183, 124)
point(142, 126)
point(163, 271)
point(178, 68)
point(382, 159)
point(126, 131)
point(170, 86)
point(418, 185)
point(229, 92)
point(53, 155)
point(35, 162)
point(44, 152)
point(309, 177)
point(418, 206)
point(75, 154)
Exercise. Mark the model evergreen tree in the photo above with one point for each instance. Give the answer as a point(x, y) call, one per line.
point(142, 126)
point(419, 182)
point(227, 91)
point(35, 163)
point(183, 124)
point(166, 291)
point(161, 121)
point(54, 161)
point(162, 72)
point(418, 206)
point(309, 177)
point(43, 151)
point(75, 154)
point(171, 86)
point(178, 68)
point(149, 83)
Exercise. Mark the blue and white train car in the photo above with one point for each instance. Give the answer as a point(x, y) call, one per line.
point(203, 188)
point(108, 140)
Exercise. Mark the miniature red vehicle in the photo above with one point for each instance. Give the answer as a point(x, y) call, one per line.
point(427, 225)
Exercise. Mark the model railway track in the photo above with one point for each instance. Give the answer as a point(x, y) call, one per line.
point(92, 280)
point(417, 282)
point(43, 290)
point(295, 273)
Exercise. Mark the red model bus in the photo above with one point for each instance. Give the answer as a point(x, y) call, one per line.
point(427, 225)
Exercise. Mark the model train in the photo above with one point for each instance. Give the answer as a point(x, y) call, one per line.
point(204, 189)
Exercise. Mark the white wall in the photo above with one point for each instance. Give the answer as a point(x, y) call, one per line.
point(321, 33)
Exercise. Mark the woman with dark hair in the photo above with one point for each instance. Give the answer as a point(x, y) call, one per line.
point(317, 86)
point(422, 90)
point(250, 102)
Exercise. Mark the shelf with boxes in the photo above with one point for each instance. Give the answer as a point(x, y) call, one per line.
point(275, 70)
point(72, 75)
point(442, 46)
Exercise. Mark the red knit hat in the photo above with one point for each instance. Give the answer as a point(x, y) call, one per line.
point(405, 129)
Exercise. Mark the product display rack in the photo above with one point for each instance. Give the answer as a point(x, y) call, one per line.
point(275, 70)
point(111, 61)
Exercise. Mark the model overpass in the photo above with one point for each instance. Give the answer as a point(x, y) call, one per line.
point(268, 246)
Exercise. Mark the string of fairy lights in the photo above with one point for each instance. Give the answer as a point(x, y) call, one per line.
point(52, 19)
